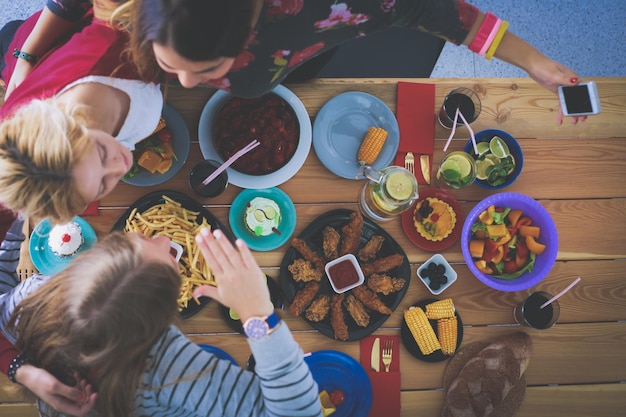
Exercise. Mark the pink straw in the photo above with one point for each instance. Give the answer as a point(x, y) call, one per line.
point(467, 125)
point(551, 300)
point(230, 160)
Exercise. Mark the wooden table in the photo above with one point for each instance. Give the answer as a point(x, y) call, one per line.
point(577, 173)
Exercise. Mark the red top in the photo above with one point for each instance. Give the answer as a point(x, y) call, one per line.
point(7, 353)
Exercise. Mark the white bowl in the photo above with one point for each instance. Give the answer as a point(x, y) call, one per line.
point(450, 273)
point(350, 260)
point(205, 138)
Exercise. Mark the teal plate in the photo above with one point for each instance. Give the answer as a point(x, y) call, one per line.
point(42, 256)
point(263, 243)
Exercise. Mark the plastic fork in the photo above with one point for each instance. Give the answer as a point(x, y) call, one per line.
point(409, 162)
point(387, 353)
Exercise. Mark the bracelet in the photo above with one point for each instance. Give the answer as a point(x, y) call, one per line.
point(483, 33)
point(25, 56)
point(496, 41)
point(490, 38)
point(15, 364)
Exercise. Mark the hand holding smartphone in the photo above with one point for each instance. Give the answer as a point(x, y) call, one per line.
point(579, 100)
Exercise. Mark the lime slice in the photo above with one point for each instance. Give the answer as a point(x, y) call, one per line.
point(259, 215)
point(493, 158)
point(498, 147)
point(233, 314)
point(465, 167)
point(399, 186)
point(483, 148)
point(270, 213)
point(481, 168)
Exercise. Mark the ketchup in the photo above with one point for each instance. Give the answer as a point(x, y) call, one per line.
point(343, 274)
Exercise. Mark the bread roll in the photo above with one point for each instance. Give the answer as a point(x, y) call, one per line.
point(486, 379)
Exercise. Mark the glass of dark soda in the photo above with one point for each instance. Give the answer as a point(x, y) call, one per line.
point(529, 312)
point(464, 99)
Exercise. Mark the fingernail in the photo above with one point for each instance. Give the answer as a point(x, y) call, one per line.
point(204, 231)
point(574, 80)
point(218, 234)
point(199, 239)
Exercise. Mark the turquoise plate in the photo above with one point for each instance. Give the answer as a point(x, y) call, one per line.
point(263, 243)
point(42, 256)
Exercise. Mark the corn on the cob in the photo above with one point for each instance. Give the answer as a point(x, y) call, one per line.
point(421, 330)
point(447, 331)
point(440, 309)
point(372, 145)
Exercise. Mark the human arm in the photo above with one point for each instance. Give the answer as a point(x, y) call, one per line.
point(48, 29)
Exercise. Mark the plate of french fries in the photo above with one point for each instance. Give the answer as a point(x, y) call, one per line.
point(432, 329)
point(354, 314)
point(180, 218)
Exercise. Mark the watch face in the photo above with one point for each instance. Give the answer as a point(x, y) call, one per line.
point(256, 328)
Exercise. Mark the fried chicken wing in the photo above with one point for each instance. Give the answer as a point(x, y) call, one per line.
point(370, 300)
point(337, 321)
point(304, 297)
point(382, 265)
point(384, 284)
point(357, 311)
point(331, 243)
point(318, 309)
point(371, 248)
point(351, 234)
point(308, 253)
point(304, 271)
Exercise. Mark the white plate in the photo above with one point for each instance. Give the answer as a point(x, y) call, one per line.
point(237, 178)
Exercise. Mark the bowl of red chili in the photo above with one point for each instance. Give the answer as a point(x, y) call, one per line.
point(344, 273)
point(277, 119)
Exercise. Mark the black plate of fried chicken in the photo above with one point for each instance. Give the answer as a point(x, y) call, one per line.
point(356, 313)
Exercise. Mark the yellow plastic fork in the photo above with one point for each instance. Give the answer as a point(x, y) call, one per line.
point(409, 162)
point(387, 353)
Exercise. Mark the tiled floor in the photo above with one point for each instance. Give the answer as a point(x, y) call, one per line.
point(587, 36)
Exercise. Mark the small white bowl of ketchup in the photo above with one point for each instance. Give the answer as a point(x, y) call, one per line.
point(344, 273)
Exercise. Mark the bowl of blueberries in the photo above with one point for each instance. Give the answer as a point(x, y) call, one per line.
point(437, 274)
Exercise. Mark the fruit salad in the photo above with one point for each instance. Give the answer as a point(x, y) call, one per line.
point(505, 243)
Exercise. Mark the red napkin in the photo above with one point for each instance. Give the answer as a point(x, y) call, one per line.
point(385, 385)
point(416, 118)
point(91, 210)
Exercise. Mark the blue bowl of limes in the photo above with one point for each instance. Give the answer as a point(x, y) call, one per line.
point(499, 160)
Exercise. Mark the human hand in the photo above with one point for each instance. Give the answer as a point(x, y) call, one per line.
point(240, 282)
point(21, 71)
point(75, 401)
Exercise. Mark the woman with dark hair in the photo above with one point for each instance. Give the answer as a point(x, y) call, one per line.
point(110, 317)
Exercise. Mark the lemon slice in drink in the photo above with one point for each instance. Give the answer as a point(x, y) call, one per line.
point(399, 186)
point(481, 168)
point(465, 168)
point(498, 147)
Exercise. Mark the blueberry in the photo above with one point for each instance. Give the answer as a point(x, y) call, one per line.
point(424, 273)
point(441, 269)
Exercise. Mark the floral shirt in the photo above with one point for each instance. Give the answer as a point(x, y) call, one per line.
point(290, 32)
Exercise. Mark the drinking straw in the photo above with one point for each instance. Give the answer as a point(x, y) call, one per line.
point(230, 160)
point(456, 117)
point(467, 125)
point(551, 300)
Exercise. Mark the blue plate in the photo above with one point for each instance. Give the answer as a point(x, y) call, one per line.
point(42, 256)
point(263, 243)
point(205, 137)
point(336, 370)
point(341, 125)
point(180, 143)
point(219, 353)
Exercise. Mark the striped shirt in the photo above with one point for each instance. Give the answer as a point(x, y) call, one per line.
point(181, 379)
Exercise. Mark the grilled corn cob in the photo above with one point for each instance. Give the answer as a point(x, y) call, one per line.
point(372, 145)
point(440, 309)
point(421, 330)
point(447, 331)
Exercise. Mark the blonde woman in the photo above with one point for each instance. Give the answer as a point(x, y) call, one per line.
point(68, 129)
point(110, 317)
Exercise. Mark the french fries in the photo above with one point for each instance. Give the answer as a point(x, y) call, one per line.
point(179, 224)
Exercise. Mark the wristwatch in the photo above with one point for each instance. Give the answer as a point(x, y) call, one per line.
point(257, 328)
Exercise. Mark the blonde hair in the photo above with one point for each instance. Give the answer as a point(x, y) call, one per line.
point(39, 146)
point(100, 318)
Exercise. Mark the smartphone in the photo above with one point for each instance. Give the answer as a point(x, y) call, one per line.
point(580, 99)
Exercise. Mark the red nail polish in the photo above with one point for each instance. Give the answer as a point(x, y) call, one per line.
point(574, 80)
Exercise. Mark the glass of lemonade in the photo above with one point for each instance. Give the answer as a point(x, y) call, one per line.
point(457, 170)
point(388, 193)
